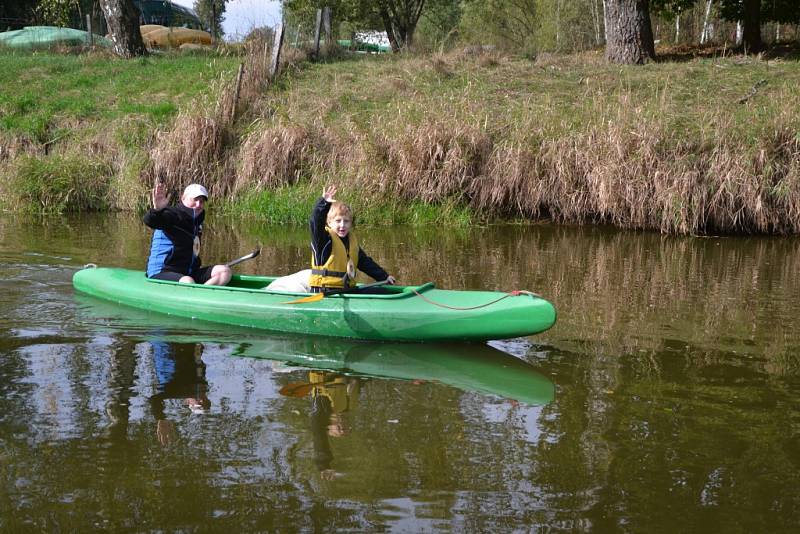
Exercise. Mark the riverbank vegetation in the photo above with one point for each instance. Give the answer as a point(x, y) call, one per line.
point(703, 142)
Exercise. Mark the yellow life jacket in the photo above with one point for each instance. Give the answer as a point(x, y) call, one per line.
point(334, 273)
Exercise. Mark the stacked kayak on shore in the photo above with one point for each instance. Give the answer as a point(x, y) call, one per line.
point(408, 313)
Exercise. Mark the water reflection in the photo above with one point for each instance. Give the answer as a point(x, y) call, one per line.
point(181, 375)
point(468, 367)
point(670, 400)
point(332, 396)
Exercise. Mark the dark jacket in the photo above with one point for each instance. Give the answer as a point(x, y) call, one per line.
point(321, 243)
point(172, 247)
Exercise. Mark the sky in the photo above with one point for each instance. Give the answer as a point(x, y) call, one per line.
point(243, 15)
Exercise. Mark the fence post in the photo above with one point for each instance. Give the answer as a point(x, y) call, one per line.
point(276, 52)
point(326, 25)
point(213, 22)
point(90, 35)
point(317, 28)
point(237, 89)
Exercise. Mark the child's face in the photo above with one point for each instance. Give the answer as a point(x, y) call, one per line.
point(341, 224)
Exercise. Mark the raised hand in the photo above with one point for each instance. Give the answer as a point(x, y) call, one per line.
point(159, 196)
point(328, 193)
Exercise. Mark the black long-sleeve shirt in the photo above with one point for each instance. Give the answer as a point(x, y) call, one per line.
point(321, 243)
point(172, 246)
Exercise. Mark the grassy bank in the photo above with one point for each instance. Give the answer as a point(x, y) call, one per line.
point(76, 131)
point(697, 145)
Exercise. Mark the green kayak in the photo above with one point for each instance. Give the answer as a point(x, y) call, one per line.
point(409, 313)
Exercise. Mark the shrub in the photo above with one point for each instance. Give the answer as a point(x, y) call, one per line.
point(57, 184)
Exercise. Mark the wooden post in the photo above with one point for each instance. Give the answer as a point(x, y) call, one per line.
point(90, 35)
point(276, 52)
point(236, 91)
point(317, 28)
point(213, 22)
point(326, 25)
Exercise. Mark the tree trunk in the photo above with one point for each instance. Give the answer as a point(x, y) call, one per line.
point(122, 18)
point(751, 35)
point(387, 25)
point(629, 34)
point(595, 21)
point(705, 34)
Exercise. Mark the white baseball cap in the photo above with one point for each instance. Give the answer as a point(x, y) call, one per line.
point(195, 190)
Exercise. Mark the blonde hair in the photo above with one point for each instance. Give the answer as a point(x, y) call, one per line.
point(340, 208)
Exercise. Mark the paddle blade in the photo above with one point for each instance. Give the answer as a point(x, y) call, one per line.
point(312, 298)
point(296, 389)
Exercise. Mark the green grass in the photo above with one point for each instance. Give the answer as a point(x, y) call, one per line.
point(59, 184)
point(451, 139)
point(43, 91)
point(292, 205)
point(514, 96)
point(93, 111)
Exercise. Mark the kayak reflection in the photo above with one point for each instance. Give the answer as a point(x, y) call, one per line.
point(473, 367)
point(469, 367)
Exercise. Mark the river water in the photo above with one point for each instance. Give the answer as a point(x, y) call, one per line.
point(665, 398)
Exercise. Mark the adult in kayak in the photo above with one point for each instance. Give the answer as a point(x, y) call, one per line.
point(174, 250)
point(335, 254)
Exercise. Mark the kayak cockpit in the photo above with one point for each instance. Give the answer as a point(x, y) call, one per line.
point(252, 283)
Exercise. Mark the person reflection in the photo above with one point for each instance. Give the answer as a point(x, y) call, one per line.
point(180, 374)
point(332, 395)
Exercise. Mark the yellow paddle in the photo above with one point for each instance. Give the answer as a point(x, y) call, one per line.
point(316, 297)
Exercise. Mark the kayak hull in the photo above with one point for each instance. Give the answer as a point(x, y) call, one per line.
point(411, 313)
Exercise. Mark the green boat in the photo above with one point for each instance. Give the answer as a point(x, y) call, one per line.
point(472, 367)
point(408, 313)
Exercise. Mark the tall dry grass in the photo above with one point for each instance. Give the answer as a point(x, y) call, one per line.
point(616, 152)
point(570, 140)
point(194, 149)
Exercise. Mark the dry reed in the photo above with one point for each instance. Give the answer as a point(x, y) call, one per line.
point(271, 158)
point(627, 165)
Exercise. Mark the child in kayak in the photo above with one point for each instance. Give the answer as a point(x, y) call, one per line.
point(335, 254)
point(176, 241)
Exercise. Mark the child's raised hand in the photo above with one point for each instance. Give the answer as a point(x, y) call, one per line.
point(328, 193)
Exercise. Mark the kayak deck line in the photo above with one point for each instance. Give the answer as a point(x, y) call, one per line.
point(515, 293)
point(422, 313)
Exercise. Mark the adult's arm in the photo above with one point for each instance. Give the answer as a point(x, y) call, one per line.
point(159, 219)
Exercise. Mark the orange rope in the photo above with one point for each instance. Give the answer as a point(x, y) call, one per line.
point(514, 293)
